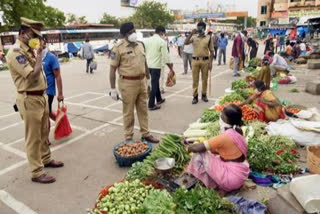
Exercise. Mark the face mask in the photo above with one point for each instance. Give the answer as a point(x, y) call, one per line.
point(133, 37)
point(223, 125)
point(34, 43)
point(201, 31)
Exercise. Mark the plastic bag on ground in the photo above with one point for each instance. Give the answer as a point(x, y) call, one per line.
point(288, 129)
point(307, 191)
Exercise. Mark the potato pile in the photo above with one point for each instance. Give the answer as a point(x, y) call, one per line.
point(132, 149)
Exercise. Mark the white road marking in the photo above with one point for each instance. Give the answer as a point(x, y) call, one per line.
point(77, 95)
point(94, 99)
point(185, 96)
point(93, 107)
point(84, 135)
point(17, 206)
point(13, 150)
point(8, 115)
point(138, 128)
point(10, 126)
point(13, 167)
point(189, 87)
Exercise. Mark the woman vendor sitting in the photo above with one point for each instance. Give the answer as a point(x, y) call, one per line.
point(267, 105)
point(220, 163)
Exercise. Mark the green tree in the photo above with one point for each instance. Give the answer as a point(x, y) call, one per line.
point(151, 14)
point(108, 19)
point(33, 9)
point(73, 19)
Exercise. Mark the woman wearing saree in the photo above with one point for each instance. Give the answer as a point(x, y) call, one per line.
point(220, 163)
point(267, 105)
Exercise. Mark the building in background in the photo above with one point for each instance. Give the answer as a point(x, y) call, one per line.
point(285, 12)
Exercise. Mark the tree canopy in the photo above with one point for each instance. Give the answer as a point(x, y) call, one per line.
point(151, 14)
point(108, 19)
point(33, 9)
point(73, 19)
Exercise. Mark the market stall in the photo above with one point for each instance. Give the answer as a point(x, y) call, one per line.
point(157, 181)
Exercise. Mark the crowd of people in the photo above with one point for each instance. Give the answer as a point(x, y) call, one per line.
point(138, 63)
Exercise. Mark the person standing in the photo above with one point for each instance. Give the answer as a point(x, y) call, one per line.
point(215, 39)
point(51, 69)
point(163, 69)
point(187, 56)
point(128, 57)
point(25, 65)
point(202, 59)
point(180, 43)
point(268, 43)
point(253, 48)
point(222, 43)
point(157, 56)
point(282, 42)
point(237, 54)
point(88, 54)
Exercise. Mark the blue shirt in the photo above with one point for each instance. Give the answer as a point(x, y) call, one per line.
point(223, 43)
point(50, 63)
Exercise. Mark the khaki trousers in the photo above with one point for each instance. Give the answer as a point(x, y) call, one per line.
point(134, 95)
point(197, 67)
point(34, 111)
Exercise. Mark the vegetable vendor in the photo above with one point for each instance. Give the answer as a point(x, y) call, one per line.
point(267, 105)
point(265, 74)
point(220, 163)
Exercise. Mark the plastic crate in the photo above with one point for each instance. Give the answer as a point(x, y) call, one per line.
point(128, 161)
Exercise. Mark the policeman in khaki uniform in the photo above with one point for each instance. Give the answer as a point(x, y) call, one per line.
point(128, 57)
point(25, 64)
point(201, 60)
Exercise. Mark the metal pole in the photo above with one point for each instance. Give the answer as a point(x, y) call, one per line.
point(245, 22)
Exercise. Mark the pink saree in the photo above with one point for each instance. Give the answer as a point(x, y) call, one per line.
point(218, 174)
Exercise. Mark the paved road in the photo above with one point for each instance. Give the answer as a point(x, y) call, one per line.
point(97, 123)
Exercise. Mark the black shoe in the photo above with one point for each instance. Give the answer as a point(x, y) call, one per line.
point(154, 108)
point(195, 100)
point(162, 101)
point(205, 98)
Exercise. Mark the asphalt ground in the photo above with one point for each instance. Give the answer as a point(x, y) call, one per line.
point(97, 123)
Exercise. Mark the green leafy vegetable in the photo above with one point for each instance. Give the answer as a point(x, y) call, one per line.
point(255, 62)
point(138, 170)
point(213, 130)
point(158, 202)
point(210, 116)
point(231, 98)
point(239, 84)
point(201, 200)
point(272, 153)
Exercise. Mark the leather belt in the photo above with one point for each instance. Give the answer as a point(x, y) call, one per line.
point(140, 77)
point(201, 58)
point(32, 93)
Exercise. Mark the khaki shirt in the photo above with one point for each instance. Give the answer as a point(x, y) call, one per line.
point(202, 45)
point(21, 62)
point(129, 59)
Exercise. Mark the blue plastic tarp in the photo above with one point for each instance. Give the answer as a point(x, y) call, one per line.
point(104, 48)
point(72, 48)
point(277, 32)
point(302, 30)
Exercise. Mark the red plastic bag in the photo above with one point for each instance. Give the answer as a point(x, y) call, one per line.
point(62, 128)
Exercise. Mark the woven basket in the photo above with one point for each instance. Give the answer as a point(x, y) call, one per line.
point(314, 159)
point(128, 161)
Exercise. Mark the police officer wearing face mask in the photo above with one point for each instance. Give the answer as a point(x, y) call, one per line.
point(128, 57)
point(25, 64)
point(201, 59)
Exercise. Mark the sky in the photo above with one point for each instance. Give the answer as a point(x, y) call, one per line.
point(93, 9)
